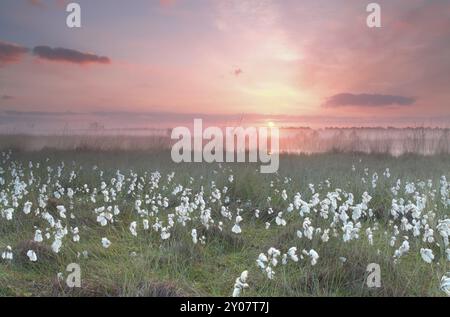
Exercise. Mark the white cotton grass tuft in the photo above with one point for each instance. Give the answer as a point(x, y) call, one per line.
point(62, 211)
point(427, 255)
point(236, 228)
point(56, 245)
point(267, 262)
point(415, 224)
point(27, 207)
point(270, 273)
point(165, 234)
point(106, 243)
point(7, 254)
point(32, 256)
point(132, 228)
point(292, 252)
point(8, 214)
point(38, 236)
point(313, 255)
point(194, 236)
point(445, 284)
point(279, 220)
point(76, 235)
point(402, 250)
point(240, 284)
point(262, 260)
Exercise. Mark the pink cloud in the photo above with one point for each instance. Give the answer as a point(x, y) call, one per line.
point(36, 3)
point(167, 3)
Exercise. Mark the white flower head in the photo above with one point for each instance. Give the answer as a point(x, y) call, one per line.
point(38, 236)
point(7, 254)
point(133, 227)
point(270, 273)
point(56, 245)
point(240, 284)
point(292, 254)
point(427, 255)
point(62, 211)
point(236, 229)
point(262, 261)
point(165, 234)
point(32, 255)
point(27, 207)
point(106, 243)
point(313, 255)
point(194, 236)
point(445, 284)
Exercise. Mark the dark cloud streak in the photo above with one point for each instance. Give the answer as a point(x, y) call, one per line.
point(368, 100)
point(11, 53)
point(68, 55)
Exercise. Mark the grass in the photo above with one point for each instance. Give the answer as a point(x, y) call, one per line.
point(147, 266)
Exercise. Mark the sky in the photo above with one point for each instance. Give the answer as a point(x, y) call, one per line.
point(156, 63)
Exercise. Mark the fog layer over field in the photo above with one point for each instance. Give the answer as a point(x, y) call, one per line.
point(424, 141)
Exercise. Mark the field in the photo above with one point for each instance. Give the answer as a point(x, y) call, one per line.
point(140, 225)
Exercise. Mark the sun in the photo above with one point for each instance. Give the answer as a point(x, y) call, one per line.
point(271, 124)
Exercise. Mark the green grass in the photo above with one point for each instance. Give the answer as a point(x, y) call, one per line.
point(178, 267)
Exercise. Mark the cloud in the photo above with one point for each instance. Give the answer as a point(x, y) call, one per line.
point(6, 97)
point(68, 55)
point(41, 4)
point(36, 3)
point(166, 3)
point(368, 100)
point(11, 53)
point(41, 113)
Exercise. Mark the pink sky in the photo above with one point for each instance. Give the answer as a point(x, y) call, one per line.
point(297, 62)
